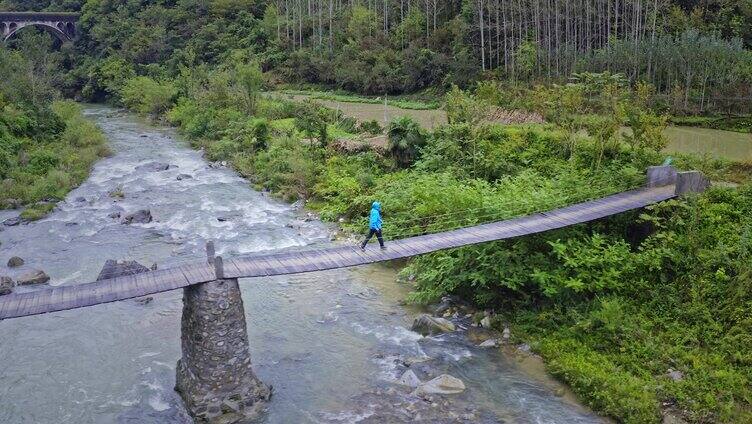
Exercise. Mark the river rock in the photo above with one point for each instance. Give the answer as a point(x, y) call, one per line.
point(182, 177)
point(444, 384)
point(114, 215)
point(116, 193)
point(670, 418)
point(409, 379)
point(15, 261)
point(489, 343)
point(33, 277)
point(505, 335)
point(142, 216)
point(675, 375)
point(153, 167)
point(112, 269)
point(485, 322)
point(479, 335)
point(11, 222)
point(6, 286)
point(144, 300)
point(427, 325)
point(523, 348)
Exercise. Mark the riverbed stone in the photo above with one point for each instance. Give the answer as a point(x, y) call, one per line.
point(182, 177)
point(428, 325)
point(12, 222)
point(33, 277)
point(489, 343)
point(142, 216)
point(6, 286)
point(485, 322)
point(153, 167)
point(675, 375)
point(15, 261)
point(409, 379)
point(214, 375)
point(479, 335)
point(444, 384)
point(113, 268)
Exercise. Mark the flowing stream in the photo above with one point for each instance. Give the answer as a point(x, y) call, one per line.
point(331, 343)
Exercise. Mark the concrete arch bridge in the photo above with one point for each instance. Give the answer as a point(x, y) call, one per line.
point(62, 25)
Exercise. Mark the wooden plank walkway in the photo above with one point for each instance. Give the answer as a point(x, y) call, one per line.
point(261, 265)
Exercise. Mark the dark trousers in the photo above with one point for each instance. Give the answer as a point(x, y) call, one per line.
point(371, 232)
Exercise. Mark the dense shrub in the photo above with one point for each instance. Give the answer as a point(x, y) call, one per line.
point(147, 96)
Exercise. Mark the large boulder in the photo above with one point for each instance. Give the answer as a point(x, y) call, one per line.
point(33, 277)
point(153, 167)
point(142, 216)
point(409, 379)
point(444, 384)
point(15, 261)
point(6, 286)
point(10, 222)
point(112, 269)
point(427, 325)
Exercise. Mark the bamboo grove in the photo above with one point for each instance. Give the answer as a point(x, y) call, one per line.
point(693, 50)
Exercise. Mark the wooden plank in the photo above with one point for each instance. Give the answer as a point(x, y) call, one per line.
point(7, 303)
point(23, 301)
point(306, 261)
point(250, 267)
point(13, 307)
point(64, 299)
point(399, 248)
point(300, 263)
point(362, 257)
point(349, 257)
point(230, 268)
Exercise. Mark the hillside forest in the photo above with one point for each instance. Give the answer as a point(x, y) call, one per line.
point(610, 306)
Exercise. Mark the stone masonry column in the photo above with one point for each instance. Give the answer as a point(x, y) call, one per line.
point(214, 375)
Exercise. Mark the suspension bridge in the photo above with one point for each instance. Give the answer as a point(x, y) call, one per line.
point(214, 375)
point(261, 265)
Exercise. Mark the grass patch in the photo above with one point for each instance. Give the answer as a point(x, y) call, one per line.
point(742, 124)
point(353, 98)
point(37, 211)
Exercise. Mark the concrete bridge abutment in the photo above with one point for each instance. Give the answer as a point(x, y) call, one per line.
point(214, 375)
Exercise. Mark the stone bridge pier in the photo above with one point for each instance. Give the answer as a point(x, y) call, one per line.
point(214, 375)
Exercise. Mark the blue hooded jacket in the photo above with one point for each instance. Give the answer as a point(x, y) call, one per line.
point(375, 221)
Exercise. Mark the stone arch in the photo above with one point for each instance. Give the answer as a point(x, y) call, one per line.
point(52, 29)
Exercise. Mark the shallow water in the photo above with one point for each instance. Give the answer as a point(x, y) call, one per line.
point(330, 342)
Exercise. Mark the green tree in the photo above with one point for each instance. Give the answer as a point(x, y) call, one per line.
point(404, 141)
point(251, 81)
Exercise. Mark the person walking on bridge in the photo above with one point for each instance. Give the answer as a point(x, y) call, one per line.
point(374, 226)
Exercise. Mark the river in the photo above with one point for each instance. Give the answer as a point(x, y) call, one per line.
point(331, 343)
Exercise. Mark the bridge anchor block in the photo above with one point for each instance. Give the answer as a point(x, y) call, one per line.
point(214, 375)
